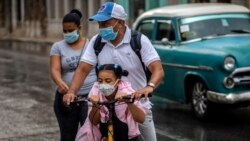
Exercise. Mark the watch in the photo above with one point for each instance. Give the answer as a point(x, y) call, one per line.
point(150, 84)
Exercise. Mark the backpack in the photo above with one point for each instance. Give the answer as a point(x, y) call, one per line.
point(135, 44)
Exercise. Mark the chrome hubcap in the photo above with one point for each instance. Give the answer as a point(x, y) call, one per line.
point(199, 98)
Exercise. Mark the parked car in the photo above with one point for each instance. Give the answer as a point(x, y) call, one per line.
point(205, 52)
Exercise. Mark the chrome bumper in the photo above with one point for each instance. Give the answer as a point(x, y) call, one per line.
point(230, 98)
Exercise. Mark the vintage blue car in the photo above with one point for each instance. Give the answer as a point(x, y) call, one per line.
point(205, 52)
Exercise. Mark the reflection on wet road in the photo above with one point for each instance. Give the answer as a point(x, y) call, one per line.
point(26, 98)
point(177, 122)
point(26, 107)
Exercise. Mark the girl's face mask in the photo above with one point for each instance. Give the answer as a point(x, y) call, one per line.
point(71, 37)
point(108, 33)
point(107, 89)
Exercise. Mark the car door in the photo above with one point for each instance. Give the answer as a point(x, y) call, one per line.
point(162, 34)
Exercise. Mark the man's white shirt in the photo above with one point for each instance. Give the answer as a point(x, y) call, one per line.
point(124, 55)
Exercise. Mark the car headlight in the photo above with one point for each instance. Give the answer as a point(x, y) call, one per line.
point(229, 63)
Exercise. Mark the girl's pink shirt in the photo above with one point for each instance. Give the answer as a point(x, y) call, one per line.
point(121, 110)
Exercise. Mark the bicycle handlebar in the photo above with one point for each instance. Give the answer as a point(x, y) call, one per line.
point(127, 98)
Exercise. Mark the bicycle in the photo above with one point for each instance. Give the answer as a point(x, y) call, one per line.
point(110, 105)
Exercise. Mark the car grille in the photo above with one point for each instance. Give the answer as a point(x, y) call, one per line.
point(241, 76)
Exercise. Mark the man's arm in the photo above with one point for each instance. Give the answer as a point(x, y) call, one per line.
point(150, 58)
point(157, 75)
point(80, 75)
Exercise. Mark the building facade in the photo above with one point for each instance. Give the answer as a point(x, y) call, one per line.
point(43, 18)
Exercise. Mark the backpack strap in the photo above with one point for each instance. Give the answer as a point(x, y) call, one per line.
point(98, 45)
point(135, 44)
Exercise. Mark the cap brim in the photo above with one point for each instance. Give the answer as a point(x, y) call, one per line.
point(99, 18)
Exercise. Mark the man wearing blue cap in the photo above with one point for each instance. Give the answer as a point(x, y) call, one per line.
point(116, 36)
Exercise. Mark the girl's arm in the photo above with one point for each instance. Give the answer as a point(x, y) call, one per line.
point(94, 115)
point(55, 72)
point(137, 114)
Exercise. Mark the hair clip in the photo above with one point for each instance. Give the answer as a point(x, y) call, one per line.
point(116, 66)
point(98, 66)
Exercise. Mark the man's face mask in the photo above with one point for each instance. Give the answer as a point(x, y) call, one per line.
point(71, 37)
point(107, 89)
point(108, 33)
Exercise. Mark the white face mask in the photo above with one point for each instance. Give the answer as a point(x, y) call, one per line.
point(107, 89)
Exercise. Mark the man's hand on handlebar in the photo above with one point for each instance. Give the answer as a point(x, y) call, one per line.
point(146, 91)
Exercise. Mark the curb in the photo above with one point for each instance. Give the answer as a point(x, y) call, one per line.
point(27, 45)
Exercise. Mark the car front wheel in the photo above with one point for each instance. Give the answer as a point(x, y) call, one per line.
point(199, 102)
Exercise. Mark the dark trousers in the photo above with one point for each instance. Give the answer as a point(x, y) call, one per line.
point(69, 118)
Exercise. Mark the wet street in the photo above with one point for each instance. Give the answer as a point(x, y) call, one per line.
point(26, 105)
point(176, 122)
point(26, 98)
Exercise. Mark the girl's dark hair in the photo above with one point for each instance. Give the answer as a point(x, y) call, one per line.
point(73, 16)
point(117, 69)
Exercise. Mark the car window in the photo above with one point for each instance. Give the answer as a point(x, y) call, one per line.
point(221, 24)
point(146, 27)
point(165, 30)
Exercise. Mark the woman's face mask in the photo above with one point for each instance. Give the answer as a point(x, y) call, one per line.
point(71, 37)
point(107, 89)
point(108, 33)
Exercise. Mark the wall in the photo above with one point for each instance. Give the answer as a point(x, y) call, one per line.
point(43, 18)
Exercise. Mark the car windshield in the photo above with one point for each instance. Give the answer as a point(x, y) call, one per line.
point(214, 25)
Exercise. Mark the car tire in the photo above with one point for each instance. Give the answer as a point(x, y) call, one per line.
point(200, 105)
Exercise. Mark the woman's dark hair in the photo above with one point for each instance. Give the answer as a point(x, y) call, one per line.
point(117, 69)
point(73, 16)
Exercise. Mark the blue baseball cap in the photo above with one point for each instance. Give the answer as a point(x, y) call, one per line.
point(109, 10)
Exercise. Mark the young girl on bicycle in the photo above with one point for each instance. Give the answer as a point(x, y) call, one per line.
point(125, 117)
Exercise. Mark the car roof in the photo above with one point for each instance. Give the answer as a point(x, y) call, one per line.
point(184, 10)
point(194, 9)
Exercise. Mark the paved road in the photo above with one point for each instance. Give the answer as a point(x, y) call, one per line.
point(26, 95)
